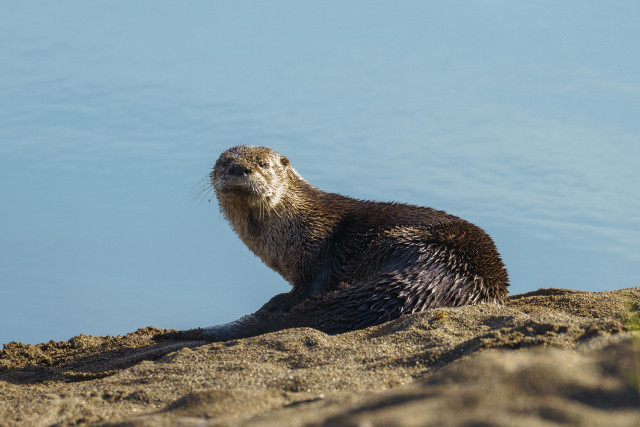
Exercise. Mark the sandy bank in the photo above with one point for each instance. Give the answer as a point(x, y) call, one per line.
point(545, 358)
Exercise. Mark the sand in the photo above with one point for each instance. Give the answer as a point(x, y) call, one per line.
point(548, 357)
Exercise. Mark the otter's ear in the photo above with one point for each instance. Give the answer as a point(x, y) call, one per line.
point(284, 161)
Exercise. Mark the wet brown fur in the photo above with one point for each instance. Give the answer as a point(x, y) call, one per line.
point(351, 263)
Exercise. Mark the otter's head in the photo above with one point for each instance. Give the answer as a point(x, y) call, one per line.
point(255, 176)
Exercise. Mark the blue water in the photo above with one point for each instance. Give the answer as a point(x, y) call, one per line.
point(522, 117)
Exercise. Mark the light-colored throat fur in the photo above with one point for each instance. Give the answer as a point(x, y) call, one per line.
point(275, 229)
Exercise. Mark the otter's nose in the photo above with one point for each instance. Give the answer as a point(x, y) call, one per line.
point(237, 170)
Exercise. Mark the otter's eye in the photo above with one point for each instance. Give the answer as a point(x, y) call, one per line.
point(262, 164)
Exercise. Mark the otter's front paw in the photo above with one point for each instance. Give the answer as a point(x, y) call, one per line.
point(280, 303)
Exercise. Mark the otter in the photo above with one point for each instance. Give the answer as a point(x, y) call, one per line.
point(351, 263)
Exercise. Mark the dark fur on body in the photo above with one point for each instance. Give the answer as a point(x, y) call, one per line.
point(351, 263)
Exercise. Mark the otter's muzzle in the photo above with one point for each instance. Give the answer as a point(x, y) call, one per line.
point(237, 170)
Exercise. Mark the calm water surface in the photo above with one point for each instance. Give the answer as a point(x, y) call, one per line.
point(520, 117)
